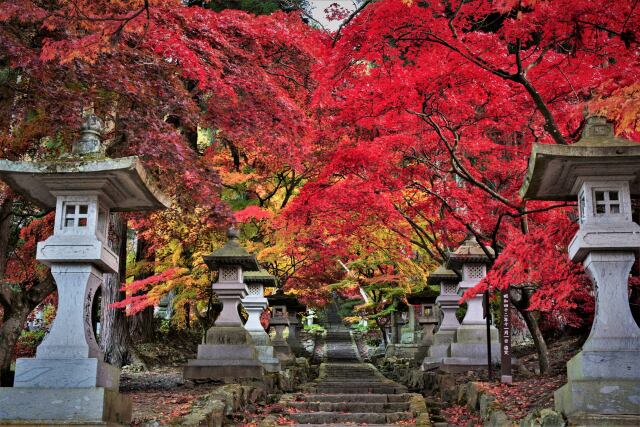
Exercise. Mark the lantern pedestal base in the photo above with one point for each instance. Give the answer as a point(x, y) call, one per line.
point(95, 406)
point(601, 383)
point(468, 351)
point(438, 350)
point(65, 373)
point(283, 352)
point(265, 351)
point(229, 354)
point(402, 351)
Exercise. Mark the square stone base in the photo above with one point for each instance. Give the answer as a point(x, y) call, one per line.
point(403, 351)
point(268, 360)
point(283, 353)
point(584, 420)
point(66, 373)
point(77, 406)
point(463, 364)
point(583, 398)
point(223, 370)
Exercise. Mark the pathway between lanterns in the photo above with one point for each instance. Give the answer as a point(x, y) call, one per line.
point(348, 391)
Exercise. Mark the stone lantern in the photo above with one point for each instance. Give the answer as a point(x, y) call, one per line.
point(293, 309)
point(428, 320)
point(280, 321)
point(601, 173)
point(415, 343)
point(228, 353)
point(68, 380)
point(468, 350)
point(254, 304)
point(448, 301)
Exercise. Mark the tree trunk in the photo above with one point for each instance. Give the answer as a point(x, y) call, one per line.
point(116, 341)
point(141, 325)
point(383, 332)
point(541, 346)
point(12, 323)
point(5, 228)
point(17, 305)
point(520, 299)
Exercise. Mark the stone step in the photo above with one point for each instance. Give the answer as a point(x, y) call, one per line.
point(342, 425)
point(353, 417)
point(338, 397)
point(363, 406)
point(355, 384)
point(352, 384)
point(346, 389)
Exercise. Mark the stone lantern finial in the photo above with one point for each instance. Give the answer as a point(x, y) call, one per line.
point(90, 133)
point(597, 126)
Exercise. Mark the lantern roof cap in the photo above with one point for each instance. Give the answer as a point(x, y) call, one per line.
point(289, 301)
point(426, 295)
point(442, 274)
point(232, 254)
point(123, 182)
point(260, 276)
point(556, 172)
point(469, 251)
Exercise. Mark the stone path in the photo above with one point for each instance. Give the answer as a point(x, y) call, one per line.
point(348, 391)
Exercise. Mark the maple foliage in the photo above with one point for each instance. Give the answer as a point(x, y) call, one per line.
point(178, 85)
point(429, 111)
point(354, 164)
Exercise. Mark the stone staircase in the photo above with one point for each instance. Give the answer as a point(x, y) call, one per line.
point(349, 392)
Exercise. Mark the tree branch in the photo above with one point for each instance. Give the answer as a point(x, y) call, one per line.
point(348, 20)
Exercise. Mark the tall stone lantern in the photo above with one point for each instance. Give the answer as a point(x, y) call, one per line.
point(601, 173)
point(68, 380)
point(468, 350)
point(228, 353)
point(254, 304)
point(448, 301)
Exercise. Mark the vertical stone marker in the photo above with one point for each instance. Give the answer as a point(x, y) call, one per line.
point(448, 302)
point(601, 172)
point(68, 380)
point(469, 347)
point(506, 376)
point(255, 303)
point(228, 353)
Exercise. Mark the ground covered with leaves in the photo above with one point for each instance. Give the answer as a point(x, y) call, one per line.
point(528, 391)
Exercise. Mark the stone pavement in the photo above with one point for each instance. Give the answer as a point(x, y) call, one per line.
point(348, 391)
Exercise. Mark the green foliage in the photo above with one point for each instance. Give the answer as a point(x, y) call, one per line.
point(360, 328)
point(346, 308)
point(165, 326)
point(314, 328)
point(461, 311)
